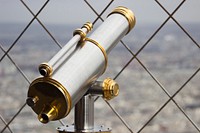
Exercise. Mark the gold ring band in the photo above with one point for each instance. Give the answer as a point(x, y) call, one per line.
point(81, 33)
point(127, 13)
point(102, 50)
point(48, 70)
point(88, 26)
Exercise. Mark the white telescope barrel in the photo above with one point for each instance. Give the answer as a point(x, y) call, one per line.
point(53, 96)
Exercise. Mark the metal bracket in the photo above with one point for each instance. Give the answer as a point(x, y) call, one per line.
point(84, 109)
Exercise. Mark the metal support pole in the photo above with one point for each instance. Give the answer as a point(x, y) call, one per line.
point(84, 113)
point(84, 118)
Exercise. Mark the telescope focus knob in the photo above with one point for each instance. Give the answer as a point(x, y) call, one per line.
point(110, 89)
point(32, 101)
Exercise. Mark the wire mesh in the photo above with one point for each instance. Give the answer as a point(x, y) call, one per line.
point(134, 57)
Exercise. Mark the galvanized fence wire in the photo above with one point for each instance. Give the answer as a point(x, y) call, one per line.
point(134, 56)
point(6, 53)
point(28, 25)
point(170, 16)
point(59, 45)
point(2, 119)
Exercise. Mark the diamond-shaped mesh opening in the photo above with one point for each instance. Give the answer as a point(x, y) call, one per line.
point(34, 6)
point(116, 60)
point(171, 55)
point(9, 33)
point(170, 119)
point(169, 5)
point(140, 36)
point(61, 32)
point(188, 98)
point(194, 31)
point(8, 16)
point(98, 7)
point(139, 96)
point(188, 12)
point(14, 88)
point(159, 87)
point(28, 47)
point(111, 121)
point(189, 22)
point(67, 13)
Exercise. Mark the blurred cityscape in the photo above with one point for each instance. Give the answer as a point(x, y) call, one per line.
point(171, 57)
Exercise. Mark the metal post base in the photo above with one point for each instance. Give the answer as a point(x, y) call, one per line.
point(84, 118)
point(71, 129)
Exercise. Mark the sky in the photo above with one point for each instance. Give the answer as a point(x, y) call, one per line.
point(77, 11)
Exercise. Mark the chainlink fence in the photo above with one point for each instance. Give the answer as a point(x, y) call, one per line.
point(156, 65)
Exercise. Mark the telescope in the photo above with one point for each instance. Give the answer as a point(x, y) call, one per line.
point(69, 79)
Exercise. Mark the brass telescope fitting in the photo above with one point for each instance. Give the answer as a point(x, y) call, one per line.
point(83, 34)
point(108, 88)
point(128, 14)
point(48, 114)
point(88, 26)
point(49, 99)
point(103, 52)
point(45, 70)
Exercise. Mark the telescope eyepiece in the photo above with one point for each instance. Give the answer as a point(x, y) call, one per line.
point(43, 118)
point(49, 113)
point(45, 70)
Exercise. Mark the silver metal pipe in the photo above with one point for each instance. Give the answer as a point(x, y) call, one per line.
point(62, 56)
point(84, 118)
point(67, 51)
point(84, 113)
